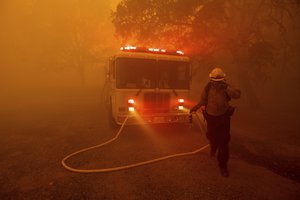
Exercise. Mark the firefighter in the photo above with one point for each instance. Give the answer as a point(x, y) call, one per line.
point(217, 112)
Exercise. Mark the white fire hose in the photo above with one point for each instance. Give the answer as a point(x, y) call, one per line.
point(101, 170)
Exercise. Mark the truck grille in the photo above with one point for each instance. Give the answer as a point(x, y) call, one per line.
point(156, 102)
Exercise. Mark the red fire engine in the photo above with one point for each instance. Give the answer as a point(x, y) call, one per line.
point(148, 85)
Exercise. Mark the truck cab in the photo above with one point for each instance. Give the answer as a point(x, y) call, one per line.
point(148, 85)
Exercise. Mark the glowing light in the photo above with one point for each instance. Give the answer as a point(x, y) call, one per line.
point(181, 100)
point(131, 101)
point(130, 106)
point(128, 48)
point(180, 108)
point(180, 52)
point(131, 109)
point(154, 50)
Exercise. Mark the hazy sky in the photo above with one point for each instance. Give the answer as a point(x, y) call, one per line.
point(43, 38)
point(114, 3)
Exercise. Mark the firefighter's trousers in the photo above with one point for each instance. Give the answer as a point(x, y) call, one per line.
point(218, 134)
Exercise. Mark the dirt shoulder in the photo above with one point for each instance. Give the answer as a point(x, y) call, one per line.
point(269, 138)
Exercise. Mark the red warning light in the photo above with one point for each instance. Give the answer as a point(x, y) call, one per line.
point(131, 105)
point(180, 52)
point(130, 101)
point(151, 50)
point(181, 100)
point(128, 48)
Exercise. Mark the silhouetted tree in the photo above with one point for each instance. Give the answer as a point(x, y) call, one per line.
point(248, 30)
point(73, 31)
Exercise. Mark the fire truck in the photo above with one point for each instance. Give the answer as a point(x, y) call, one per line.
point(148, 85)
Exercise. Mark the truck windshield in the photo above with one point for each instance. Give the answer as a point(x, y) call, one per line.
point(149, 73)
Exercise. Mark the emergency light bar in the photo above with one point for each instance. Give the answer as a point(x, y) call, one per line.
point(128, 48)
point(150, 50)
point(180, 52)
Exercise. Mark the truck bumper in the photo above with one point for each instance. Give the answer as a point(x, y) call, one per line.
point(154, 118)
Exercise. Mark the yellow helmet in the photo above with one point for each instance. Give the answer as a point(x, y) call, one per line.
point(217, 74)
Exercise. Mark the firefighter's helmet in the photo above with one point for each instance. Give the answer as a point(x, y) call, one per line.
point(217, 74)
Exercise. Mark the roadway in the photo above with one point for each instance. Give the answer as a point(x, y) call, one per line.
point(37, 133)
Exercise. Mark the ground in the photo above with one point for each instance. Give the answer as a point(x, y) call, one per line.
point(37, 133)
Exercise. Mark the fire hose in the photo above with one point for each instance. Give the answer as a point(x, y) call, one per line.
point(101, 170)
